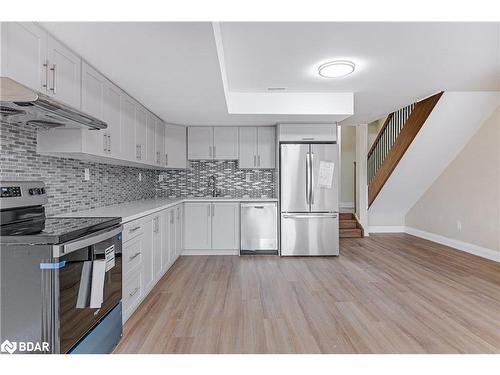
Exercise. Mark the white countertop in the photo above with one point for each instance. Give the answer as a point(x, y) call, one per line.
point(136, 209)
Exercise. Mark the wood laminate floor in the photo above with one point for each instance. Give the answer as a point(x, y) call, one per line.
point(389, 293)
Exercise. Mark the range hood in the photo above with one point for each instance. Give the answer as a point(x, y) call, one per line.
point(21, 104)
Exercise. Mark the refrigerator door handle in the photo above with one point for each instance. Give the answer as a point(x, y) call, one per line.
point(308, 181)
point(311, 184)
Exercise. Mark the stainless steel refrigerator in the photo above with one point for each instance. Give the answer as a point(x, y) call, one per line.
point(309, 195)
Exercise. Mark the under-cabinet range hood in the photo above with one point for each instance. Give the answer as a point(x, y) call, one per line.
point(21, 104)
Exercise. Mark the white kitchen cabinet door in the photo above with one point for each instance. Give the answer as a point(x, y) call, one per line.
point(157, 246)
point(266, 147)
point(200, 143)
point(173, 234)
point(247, 147)
point(225, 143)
point(160, 159)
point(165, 241)
point(225, 226)
point(175, 146)
point(178, 230)
point(127, 124)
point(197, 226)
point(112, 117)
point(151, 157)
point(147, 253)
point(141, 126)
point(65, 69)
point(93, 85)
point(24, 54)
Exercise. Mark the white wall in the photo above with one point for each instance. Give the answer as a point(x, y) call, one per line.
point(347, 156)
point(464, 202)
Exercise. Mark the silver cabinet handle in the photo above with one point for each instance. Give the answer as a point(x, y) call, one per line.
point(258, 160)
point(134, 256)
point(53, 89)
point(46, 84)
point(213, 210)
point(209, 211)
point(109, 142)
point(134, 229)
point(215, 151)
point(105, 142)
point(210, 151)
point(178, 213)
point(166, 159)
point(134, 292)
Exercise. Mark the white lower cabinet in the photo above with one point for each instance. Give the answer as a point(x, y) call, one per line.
point(211, 226)
point(150, 246)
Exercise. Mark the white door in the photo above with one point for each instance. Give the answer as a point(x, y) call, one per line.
point(178, 230)
point(127, 124)
point(65, 69)
point(175, 146)
point(199, 143)
point(151, 157)
point(112, 117)
point(157, 247)
point(266, 147)
point(225, 226)
point(159, 143)
point(247, 147)
point(93, 84)
point(141, 126)
point(197, 226)
point(147, 253)
point(225, 143)
point(24, 54)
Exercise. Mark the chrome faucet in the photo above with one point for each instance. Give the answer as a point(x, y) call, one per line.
point(211, 186)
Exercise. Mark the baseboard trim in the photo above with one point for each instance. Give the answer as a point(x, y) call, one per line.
point(210, 252)
point(387, 229)
point(456, 244)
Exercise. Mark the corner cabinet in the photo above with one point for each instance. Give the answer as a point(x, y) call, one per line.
point(211, 226)
point(212, 143)
point(257, 147)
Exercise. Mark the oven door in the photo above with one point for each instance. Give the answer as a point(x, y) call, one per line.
point(90, 283)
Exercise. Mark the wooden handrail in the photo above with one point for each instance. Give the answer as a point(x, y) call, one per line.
point(413, 124)
point(381, 131)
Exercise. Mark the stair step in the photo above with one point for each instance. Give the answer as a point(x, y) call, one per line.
point(346, 216)
point(346, 224)
point(350, 233)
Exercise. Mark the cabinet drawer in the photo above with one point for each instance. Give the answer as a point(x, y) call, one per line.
point(132, 230)
point(132, 254)
point(132, 292)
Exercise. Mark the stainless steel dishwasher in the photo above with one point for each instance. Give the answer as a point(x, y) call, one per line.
point(259, 228)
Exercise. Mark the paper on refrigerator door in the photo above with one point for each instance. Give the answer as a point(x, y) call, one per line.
point(325, 175)
point(98, 274)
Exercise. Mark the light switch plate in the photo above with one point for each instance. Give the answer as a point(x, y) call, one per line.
point(160, 178)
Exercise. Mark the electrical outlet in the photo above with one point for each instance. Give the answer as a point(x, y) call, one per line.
point(160, 178)
point(140, 176)
point(86, 174)
point(248, 177)
point(459, 225)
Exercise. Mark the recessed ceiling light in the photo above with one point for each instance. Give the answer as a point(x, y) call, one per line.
point(336, 69)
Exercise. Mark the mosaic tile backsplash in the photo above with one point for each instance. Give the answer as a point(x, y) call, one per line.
point(110, 184)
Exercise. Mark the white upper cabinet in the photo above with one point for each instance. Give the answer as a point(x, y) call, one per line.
point(151, 157)
point(225, 143)
point(24, 54)
point(257, 147)
point(200, 143)
point(160, 160)
point(141, 125)
point(127, 124)
point(266, 147)
point(112, 116)
point(175, 146)
point(212, 143)
point(64, 73)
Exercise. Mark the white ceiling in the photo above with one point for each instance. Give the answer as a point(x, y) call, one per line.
point(173, 69)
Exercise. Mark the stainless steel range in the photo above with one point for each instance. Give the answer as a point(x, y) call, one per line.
point(61, 278)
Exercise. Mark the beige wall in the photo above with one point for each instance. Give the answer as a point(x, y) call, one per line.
point(467, 193)
point(347, 156)
point(373, 129)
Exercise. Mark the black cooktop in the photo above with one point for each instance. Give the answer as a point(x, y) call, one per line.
point(54, 230)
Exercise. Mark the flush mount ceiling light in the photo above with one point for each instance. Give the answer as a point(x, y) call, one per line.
point(336, 69)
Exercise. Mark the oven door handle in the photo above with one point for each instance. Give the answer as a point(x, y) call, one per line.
point(92, 239)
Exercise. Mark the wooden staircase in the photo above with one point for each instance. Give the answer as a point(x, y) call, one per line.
point(349, 226)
